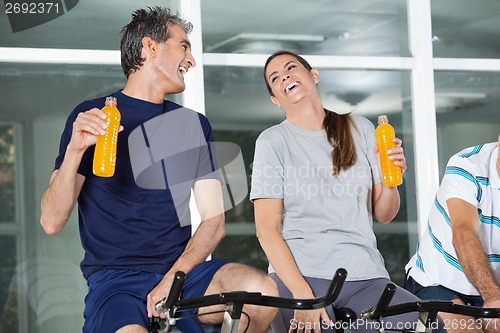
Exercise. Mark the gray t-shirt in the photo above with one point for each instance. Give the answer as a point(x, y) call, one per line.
point(327, 220)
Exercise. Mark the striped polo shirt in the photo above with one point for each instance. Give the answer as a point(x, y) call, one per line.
point(471, 175)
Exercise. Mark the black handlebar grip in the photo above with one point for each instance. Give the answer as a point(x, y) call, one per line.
point(384, 300)
point(174, 294)
point(336, 285)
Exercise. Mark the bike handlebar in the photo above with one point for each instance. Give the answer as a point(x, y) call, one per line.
point(431, 306)
point(442, 306)
point(171, 303)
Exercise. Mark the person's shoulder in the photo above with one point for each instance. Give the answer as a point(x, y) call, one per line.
point(87, 105)
point(361, 121)
point(362, 126)
point(274, 133)
point(474, 160)
point(473, 157)
point(91, 103)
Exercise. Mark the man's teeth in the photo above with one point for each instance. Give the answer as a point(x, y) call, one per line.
point(182, 70)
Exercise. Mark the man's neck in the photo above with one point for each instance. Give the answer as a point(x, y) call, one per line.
point(143, 89)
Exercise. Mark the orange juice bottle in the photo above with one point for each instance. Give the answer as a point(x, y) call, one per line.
point(391, 173)
point(105, 148)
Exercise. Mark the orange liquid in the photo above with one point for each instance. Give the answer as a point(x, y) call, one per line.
point(105, 148)
point(391, 174)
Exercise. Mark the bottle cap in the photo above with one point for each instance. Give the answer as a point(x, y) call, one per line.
point(382, 119)
point(110, 100)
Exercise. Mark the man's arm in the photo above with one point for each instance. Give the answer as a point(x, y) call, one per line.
point(65, 184)
point(59, 198)
point(208, 197)
point(470, 251)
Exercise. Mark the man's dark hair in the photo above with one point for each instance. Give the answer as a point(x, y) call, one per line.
point(153, 23)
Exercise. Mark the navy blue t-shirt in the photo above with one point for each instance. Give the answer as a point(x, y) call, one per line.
point(122, 224)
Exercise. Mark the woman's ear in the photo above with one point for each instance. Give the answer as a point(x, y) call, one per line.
point(275, 101)
point(315, 75)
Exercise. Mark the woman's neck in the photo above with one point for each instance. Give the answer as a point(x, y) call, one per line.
point(308, 117)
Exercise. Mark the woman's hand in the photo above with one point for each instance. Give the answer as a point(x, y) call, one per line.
point(397, 155)
point(309, 321)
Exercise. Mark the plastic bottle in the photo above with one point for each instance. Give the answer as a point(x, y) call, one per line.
point(105, 148)
point(384, 133)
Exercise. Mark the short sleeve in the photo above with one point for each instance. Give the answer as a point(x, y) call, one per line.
point(366, 132)
point(459, 182)
point(267, 171)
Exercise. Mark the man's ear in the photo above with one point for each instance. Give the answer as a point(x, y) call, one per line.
point(149, 46)
point(315, 75)
point(275, 101)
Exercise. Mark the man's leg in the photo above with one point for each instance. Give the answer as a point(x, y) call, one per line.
point(132, 329)
point(238, 277)
point(115, 302)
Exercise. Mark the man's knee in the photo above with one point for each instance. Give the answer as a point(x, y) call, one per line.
point(235, 276)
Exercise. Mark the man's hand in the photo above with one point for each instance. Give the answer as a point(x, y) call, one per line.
point(491, 325)
point(87, 126)
point(159, 293)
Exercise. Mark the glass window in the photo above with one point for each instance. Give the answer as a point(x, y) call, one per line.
point(38, 98)
point(368, 27)
point(465, 29)
point(8, 296)
point(467, 111)
point(7, 170)
point(238, 105)
point(73, 25)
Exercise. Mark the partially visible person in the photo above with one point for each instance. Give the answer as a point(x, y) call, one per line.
point(136, 237)
point(316, 188)
point(458, 256)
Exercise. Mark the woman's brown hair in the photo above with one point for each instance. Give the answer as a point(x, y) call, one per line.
point(338, 127)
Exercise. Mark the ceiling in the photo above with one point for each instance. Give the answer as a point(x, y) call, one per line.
point(461, 28)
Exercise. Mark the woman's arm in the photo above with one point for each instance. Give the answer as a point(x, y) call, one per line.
point(268, 215)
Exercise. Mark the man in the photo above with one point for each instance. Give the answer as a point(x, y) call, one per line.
point(135, 237)
point(457, 259)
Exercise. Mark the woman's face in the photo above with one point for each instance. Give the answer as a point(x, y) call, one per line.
point(289, 80)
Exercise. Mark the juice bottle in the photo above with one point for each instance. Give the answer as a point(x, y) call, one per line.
point(105, 148)
point(391, 173)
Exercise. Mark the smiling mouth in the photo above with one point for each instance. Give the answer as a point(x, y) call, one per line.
point(183, 70)
point(291, 86)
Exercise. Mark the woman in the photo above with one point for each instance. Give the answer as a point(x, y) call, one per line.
point(315, 187)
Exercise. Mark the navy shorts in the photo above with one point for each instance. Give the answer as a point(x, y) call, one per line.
point(117, 297)
point(439, 293)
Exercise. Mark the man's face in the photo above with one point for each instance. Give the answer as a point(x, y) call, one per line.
point(173, 60)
